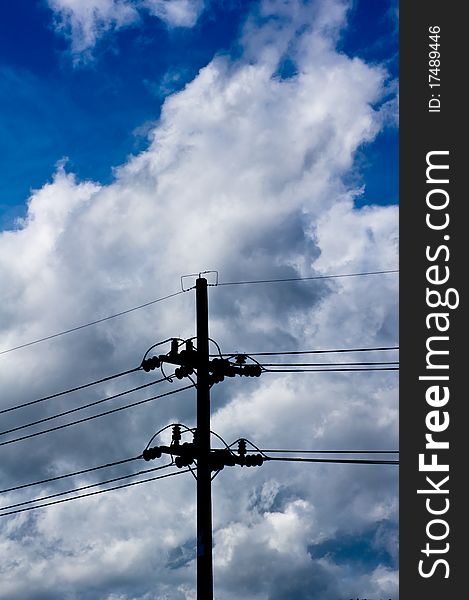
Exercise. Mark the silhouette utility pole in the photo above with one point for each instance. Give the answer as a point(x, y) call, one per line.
point(204, 474)
point(199, 451)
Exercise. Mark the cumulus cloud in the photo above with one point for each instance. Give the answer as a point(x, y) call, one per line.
point(84, 22)
point(176, 13)
point(245, 173)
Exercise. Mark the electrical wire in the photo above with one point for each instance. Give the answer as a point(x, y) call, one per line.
point(222, 441)
point(356, 461)
point(217, 346)
point(126, 460)
point(118, 487)
point(186, 430)
point(333, 364)
point(124, 312)
point(86, 385)
point(306, 278)
point(294, 352)
point(108, 412)
point(332, 451)
point(57, 477)
point(160, 343)
point(158, 433)
point(182, 291)
point(75, 389)
point(76, 409)
point(86, 487)
point(333, 370)
point(129, 310)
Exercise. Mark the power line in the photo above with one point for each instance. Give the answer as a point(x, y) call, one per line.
point(113, 464)
point(127, 460)
point(356, 461)
point(85, 487)
point(108, 412)
point(76, 409)
point(334, 370)
point(331, 451)
point(75, 389)
point(142, 472)
point(306, 278)
point(129, 310)
point(335, 364)
point(294, 352)
point(117, 487)
point(124, 312)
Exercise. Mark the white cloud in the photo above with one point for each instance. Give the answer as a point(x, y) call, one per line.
point(245, 173)
point(84, 22)
point(176, 13)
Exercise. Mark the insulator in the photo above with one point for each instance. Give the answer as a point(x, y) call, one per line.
point(253, 460)
point(221, 458)
point(176, 433)
point(257, 371)
point(189, 346)
point(252, 370)
point(217, 465)
point(215, 365)
point(174, 347)
point(230, 460)
point(149, 364)
point(183, 371)
point(230, 371)
point(151, 453)
point(258, 460)
point(216, 378)
point(183, 461)
point(242, 447)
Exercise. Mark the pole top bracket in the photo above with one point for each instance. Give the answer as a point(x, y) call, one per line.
point(198, 276)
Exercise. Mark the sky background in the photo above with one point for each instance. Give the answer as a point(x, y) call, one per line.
point(144, 140)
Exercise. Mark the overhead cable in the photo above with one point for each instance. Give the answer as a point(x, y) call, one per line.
point(294, 352)
point(83, 471)
point(356, 461)
point(117, 487)
point(108, 412)
point(226, 283)
point(287, 279)
point(86, 487)
point(333, 370)
point(331, 451)
point(123, 312)
point(331, 364)
point(78, 408)
point(75, 389)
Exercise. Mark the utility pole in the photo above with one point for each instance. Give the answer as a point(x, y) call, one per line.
point(209, 372)
point(204, 474)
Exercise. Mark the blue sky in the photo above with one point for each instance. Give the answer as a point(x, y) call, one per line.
point(142, 140)
point(95, 112)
